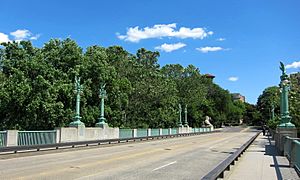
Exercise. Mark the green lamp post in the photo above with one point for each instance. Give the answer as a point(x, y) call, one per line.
point(78, 90)
point(102, 95)
point(180, 121)
point(185, 116)
point(285, 120)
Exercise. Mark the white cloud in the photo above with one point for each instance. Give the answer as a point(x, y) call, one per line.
point(233, 78)
point(209, 49)
point(170, 47)
point(24, 34)
point(221, 39)
point(20, 34)
point(4, 38)
point(135, 34)
point(35, 37)
point(293, 65)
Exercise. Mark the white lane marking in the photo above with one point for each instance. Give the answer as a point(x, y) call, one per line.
point(165, 165)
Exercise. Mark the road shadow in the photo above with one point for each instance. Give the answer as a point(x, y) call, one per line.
point(271, 150)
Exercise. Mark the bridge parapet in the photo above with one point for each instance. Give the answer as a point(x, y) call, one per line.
point(74, 134)
point(289, 147)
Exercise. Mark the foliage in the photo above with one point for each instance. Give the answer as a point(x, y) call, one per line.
point(271, 95)
point(37, 88)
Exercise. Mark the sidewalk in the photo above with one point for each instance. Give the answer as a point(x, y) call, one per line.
point(261, 162)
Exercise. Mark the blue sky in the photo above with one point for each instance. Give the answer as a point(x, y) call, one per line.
point(240, 42)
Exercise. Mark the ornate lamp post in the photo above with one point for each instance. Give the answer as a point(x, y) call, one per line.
point(180, 121)
point(285, 128)
point(285, 120)
point(78, 90)
point(185, 116)
point(102, 95)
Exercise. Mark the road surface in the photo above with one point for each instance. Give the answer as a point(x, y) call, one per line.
point(177, 158)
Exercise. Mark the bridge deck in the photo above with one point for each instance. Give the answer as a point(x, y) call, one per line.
point(181, 158)
point(261, 162)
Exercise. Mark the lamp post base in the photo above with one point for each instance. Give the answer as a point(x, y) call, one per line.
point(286, 122)
point(76, 122)
point(286, 125)
point(102, 123)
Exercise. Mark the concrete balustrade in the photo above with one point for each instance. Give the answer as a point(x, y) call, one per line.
point(82, 133)
point(289, 147)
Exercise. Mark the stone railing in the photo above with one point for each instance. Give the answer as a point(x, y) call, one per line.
point(74, 134)
point(290, 147)
point(132, 133)
point(292, 151)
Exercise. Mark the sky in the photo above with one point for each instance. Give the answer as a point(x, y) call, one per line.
point(241, 42)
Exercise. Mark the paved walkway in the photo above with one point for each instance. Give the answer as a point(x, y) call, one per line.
point(261, 162)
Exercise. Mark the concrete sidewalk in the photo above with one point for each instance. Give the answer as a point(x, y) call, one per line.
point(262, 162)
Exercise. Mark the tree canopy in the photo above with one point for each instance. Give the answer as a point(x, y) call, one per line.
point(37, 88)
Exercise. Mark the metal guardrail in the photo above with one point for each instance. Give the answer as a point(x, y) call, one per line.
point(2, 138)
point(141, 132)
point(165, 131)
point(26, 138)
point(218, 171)
point(125, 133)
point(174, 131)
point(155, 132)
point(15, 149)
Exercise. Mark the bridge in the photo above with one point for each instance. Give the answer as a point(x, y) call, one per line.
point(193, 156)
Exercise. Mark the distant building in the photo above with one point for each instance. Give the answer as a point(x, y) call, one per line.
point(238, 97)
point(210, 76)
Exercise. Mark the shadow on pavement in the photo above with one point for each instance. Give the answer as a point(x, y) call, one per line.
point(270, 150)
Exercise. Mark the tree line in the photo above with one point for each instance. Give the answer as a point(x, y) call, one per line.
point(37, 88)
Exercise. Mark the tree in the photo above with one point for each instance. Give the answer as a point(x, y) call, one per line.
point(270, 97)
point(37, 88)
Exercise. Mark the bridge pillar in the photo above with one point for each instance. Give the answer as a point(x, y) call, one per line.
point(11, 137)
point(149, 132)
point(170, 131)
point(160, 131)
point(134, 133)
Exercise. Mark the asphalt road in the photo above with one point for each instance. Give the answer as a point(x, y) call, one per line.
point(179, 158)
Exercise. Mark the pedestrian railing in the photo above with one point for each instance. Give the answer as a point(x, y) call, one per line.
point(26, 138)
point(165, 131)
point(125, 133)
point(292, 151)
point(141, 132)
point(154, 132)
point(2, 138)
point(174, 131)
